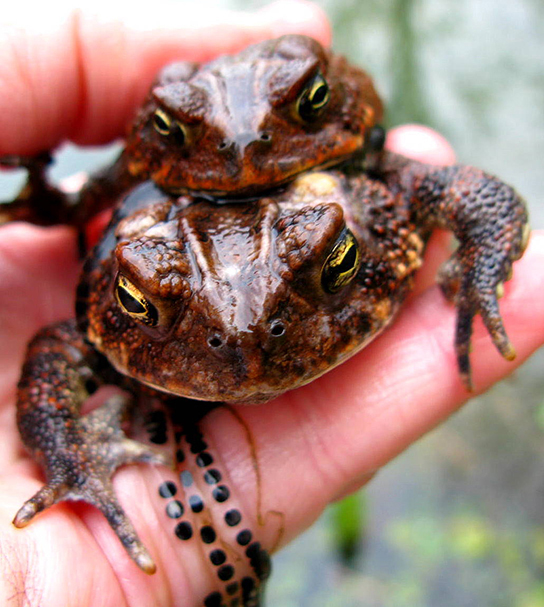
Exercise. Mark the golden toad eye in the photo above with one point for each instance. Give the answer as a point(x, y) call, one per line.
point(342, 264)
point(313, 99)
point(162, 122)
point(167, 127)
point(134, 302)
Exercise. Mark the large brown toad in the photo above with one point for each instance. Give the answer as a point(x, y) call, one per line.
point(261, 236)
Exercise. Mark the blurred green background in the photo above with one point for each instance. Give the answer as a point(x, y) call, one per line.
point(458, 520)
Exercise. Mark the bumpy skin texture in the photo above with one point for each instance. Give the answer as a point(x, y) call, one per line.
point(241, 301)
point(82, 455)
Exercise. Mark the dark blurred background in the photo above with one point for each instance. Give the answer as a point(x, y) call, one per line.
point(458, 520)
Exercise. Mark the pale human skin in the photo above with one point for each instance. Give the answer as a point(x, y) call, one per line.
point(312, 445)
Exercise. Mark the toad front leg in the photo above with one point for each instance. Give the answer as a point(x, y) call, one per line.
point(78, 453)
point(42, 203)
point(490, 222)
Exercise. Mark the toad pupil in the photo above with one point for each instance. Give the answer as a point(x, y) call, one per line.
point(135, 303)
point(314, 99)
point(167, 127)
point(322, 188)
point(342, 264)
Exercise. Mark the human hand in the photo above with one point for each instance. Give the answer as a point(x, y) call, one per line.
point(283, 461)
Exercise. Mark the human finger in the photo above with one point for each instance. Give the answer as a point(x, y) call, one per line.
point(421, 143)
point(283, 462)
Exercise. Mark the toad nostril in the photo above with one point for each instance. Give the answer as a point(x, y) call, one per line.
point(277, 329)
point(227, 146)
point(215, 341)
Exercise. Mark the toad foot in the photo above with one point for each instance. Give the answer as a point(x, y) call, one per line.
point(82, 471)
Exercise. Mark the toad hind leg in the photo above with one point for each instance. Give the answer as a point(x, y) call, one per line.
point(79, 453)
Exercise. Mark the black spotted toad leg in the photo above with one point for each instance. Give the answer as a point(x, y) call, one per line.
point(490, 222)
point(78, 453)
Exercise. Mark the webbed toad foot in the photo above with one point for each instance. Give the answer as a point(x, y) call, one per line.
point(81, 468)
point(474, 280)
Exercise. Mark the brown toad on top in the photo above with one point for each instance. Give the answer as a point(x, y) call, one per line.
point(248, 123)
point(243, 300)
point(232, 128)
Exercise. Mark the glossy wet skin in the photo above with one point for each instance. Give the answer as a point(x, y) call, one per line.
point(247, 123)
point(253, 301)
